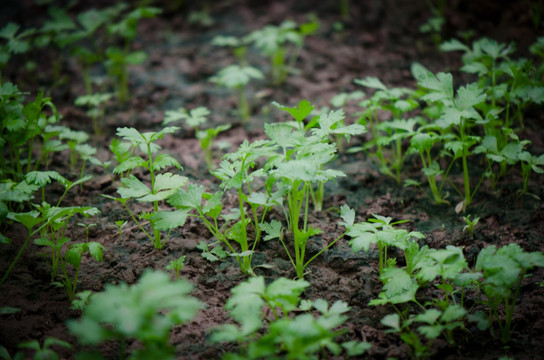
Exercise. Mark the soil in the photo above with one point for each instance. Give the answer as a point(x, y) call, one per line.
point(380, 39)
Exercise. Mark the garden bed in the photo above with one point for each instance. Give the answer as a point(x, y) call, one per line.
point(378, 39)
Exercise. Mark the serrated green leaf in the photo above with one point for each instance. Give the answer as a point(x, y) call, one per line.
point(167, 220)
point(133, 188)
point(96, 250)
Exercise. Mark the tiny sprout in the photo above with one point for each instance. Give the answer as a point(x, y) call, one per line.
point(177, 265)
point(470, 224)
point(87, 227)
point(120, 224)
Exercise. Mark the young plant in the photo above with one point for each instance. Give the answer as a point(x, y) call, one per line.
point(86, 227)
point(459, 116)
point(120, 224)
point(431, 324)
point(96, 104)
point(213, 255)
point(269, 310)
point(503, 272)
point(470, 225)
point(194, 119)
point(237, 77)
point(84, 41)
point(322, 128)
point(177, 266)
point(529, 163)
point(391, 133)
point(380, 231)
point(53, 237)
point(434, 24)
point(231, 228)
point(44, 351)
point(238, 46)
point(272, 42)
point(119, 59)
point(423, 143)
point(21, 126)
point(15, 42)
point(47, 220)
point(161, 185)
point(145, 311)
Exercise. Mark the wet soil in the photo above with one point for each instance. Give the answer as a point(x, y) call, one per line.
point(380, 39)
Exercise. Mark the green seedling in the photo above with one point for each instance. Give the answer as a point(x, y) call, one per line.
point(381, 232)
point(435, 23)
point(272, 41)
point(470, 225)
point(423, 143)
point(503, 272)
point(96, 104)
point(21, 125)
point(120, 224)
point(236, 77)
point(432, 323)
point(194, 119)
point(529, 163)
point(73, 139)
point(120, 59)
point(73, 257)
point(86, 227)
point(177, 266)
point(231, 228)
point(269, 310)
point(122, 151)
point(321, 128)
point(213, 255)
point(391, 133)
point(81, 300)
point(44, 351)
point(117, 64)
point(238, 46)
point(450, 267)
point(60, 250)
point(84, 40)
point(16, 42)
point(51, 223)
point(145, 311)
point(294, 178)
point(483, 59)
point(161, 185)
point(55, 31)
point(502, 154)
point(339, 101)
point(459, 117)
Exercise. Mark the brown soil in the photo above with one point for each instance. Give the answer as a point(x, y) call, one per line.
point(381, 39)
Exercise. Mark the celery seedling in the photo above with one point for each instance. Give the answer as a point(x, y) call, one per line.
point(44, 351)
point(145, 311)
point(162, 185)
point(380, 231)
point(504, 269)
point(272, 41)
point(120, 59)
point(291, 337)
point(470, 225)
point(95, 103)
point(237, 77)
point(459, 114)
point(176, 265)
point(235, 174)
point(194, 119)
point(391, 133)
